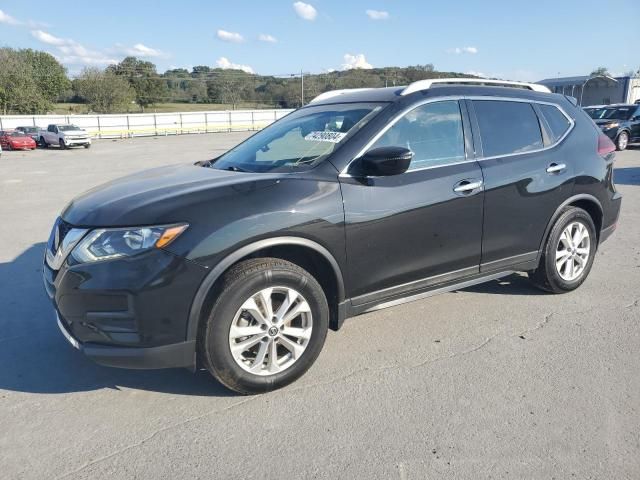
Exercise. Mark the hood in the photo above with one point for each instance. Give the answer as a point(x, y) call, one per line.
point(606, 121)
point(75, 132)
point(161, 195)
point(21, 140)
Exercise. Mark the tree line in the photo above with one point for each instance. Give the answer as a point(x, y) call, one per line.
point(32, 81)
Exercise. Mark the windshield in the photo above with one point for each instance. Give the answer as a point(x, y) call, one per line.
point(29, 129)
point(17, 134)
point(617, 113)
point(594, 112)
point(300, 140)
point(66, 128)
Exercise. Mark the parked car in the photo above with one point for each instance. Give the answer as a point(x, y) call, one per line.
point(361, 200)
point(621, 123)
point(65, 136)
point(594, 111)
point(14, 140)
point(33, 132)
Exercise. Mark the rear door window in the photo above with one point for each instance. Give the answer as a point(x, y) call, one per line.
point(557, 121)
point(507, 128)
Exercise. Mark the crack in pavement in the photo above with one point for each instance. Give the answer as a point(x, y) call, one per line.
point(547, 318)
point(152, 435)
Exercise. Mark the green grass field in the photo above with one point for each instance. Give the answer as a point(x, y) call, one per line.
point(79, 108)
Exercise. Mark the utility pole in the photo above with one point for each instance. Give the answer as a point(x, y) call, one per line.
point(301, 88)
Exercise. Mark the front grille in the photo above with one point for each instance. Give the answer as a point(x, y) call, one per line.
point(63, 228)
point(59, 231)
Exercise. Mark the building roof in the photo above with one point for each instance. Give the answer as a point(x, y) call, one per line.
point(579, 80)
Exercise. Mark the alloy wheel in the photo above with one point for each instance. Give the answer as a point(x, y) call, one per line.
point(270, 331)
point(623, 141)
point(572, 251)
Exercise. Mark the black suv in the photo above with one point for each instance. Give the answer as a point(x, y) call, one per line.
point(621, 123)
point(361, 200)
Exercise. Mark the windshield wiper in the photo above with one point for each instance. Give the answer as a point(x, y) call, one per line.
point(233, 168)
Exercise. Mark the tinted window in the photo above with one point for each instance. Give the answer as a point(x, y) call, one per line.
point(618, 113)
point(507, 127)
point(433, 132)
point(556, 120)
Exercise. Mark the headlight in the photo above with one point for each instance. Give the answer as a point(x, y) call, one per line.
point(611, 125)
point(106, 244)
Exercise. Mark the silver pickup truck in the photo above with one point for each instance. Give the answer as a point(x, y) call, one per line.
point(64, 135)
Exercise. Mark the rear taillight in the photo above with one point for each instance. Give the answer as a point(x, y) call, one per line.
point(605, 146)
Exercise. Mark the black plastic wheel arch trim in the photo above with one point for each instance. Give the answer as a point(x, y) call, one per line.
point(201, 295)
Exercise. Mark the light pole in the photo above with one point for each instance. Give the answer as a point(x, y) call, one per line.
point(584, 85)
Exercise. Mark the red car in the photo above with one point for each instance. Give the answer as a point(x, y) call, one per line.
point(14, 140)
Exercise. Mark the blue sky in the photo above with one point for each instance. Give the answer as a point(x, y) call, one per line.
point(497, 38)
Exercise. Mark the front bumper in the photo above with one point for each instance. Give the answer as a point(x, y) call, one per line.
point(166, 356)
point(128, 312)
point(612, 133)
point(71, 142)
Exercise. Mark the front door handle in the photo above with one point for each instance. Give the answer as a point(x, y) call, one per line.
point(467, 186)
point(556, 168)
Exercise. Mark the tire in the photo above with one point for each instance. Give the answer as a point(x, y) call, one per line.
point(622, 141)
point(564, 267)
point(88, 145)
point(9, 147)
point(43, 143)
point(62, 145)
point(237, 288)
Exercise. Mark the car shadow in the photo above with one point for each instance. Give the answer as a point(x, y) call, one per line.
point(627, 176)
point(514, 284)
point(35, 357)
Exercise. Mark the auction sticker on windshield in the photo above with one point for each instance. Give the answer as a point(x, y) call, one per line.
point(333, 137)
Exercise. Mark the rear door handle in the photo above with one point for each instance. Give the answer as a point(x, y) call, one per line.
point(556, 168)
point(467, 186)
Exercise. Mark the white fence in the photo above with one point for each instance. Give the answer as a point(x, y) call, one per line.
point(147, 124)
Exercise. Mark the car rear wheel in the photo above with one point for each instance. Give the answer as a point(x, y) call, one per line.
point(622, 141)
point(568, 254)
point(9, 147)
point(266, 327)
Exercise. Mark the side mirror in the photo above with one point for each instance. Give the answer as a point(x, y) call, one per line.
point(382, 162)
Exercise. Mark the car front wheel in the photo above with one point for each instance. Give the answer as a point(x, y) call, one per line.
point(568, 254)
point(622, 141)
point(266, 327)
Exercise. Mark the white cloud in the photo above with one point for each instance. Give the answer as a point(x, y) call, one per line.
point(355, 61)
point(305, 11)
point(460, 50)
point(8, 19)
point(226, 64)
point(229, 36)
point(139, 50)
point(267, 38)
point(377, 14)
point(71, 52)
point(49, 39)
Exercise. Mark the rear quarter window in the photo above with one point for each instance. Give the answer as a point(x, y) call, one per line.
point(557, 121)
point(507, 127)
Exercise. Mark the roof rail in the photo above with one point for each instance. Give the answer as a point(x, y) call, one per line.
point(427, 84)
point(335, 93)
